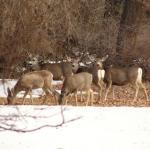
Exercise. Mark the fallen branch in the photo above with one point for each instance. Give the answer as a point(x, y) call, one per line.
point(8, 123)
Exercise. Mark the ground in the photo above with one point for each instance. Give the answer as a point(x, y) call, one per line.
point(123, 97)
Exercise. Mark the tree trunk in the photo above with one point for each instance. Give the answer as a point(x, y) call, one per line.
point(112, 14)
point(129, 26)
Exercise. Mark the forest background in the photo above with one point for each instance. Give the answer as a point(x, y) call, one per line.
point(59, 28)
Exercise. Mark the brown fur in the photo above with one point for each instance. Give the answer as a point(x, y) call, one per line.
point(123, 75)
point(32, 80)
point(59, 70)
point(77, 82)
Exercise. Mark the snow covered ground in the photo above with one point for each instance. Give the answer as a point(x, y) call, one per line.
point(84, 128)
point(73, 128)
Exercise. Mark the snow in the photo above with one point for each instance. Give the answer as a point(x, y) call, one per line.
point(44, 127)
point(4, 84)
point(90, 128)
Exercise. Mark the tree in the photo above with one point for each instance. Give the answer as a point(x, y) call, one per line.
point(112, 13)
point(129, 26)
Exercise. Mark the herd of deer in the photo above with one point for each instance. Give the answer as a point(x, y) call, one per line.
point(77, 79)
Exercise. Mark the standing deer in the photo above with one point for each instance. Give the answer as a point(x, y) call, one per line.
point(32, 80)
point(77, 82)
point(59, 70)
point(98, 73)
point(121, 76)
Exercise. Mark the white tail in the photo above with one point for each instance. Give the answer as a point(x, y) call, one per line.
point(121, 76)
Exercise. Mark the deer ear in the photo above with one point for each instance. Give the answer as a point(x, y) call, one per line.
point(104, 58)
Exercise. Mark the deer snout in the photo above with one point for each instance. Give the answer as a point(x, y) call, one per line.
point(73, 65)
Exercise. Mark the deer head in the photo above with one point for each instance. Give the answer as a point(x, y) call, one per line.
point(99, 62)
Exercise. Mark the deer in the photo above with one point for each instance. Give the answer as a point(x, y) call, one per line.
point(97, 70)
point(116, 75)
point(31, 80)
point(59, 69)
point(77, 82)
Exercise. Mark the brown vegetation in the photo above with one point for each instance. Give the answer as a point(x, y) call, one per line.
point(60, 27)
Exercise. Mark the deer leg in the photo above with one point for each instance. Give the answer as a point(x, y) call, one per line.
point(99, 85)
point(88, 97)
point(144, 89)
point(76, 98)
point(100, 93)
point(25, 94)
point(54, 93)
point(102, 86)
point(69, 97)
point(81, 96)
point(107, 90)
point(113, 91)
point(92, 96)
point(66, 99)
point(30, 92)
point(136, 92)
point(47, 92)
point(56, 96)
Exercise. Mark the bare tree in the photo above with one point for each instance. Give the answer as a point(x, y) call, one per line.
point(129, 26)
